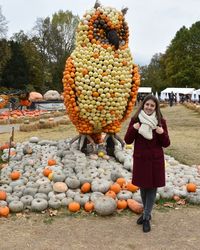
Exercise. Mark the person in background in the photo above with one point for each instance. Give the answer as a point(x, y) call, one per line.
point(148, 131)
point(24, 100)
point(171, 99)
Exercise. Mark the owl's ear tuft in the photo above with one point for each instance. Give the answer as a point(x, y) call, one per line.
point(97, 4)
point(124, 11)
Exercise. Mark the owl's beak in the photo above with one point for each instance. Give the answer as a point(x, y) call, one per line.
point(113, 38)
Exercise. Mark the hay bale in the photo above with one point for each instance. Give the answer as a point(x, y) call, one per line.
point(64, 121)
point(28, 127)
point(47, 124)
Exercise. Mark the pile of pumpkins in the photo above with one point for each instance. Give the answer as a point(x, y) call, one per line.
point(45, 174)
point(50, 95)
point(17, 116)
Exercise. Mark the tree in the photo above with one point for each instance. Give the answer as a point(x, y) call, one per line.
point(194, 51)
point(3, 25)
point(16, 71)
point(152, 75)
point(5, 54)
point(178, 59)
point(33, 60)
point(179, 66)
point(55, 40)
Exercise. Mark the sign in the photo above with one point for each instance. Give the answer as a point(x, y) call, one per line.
point(50, 106)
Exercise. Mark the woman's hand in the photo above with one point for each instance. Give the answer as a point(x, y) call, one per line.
point(136, 125)
point(159, 130)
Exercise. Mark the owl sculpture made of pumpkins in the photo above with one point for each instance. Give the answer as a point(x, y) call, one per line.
point(100, 79)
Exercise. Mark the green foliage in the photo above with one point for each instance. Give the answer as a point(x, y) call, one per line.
point(16, 70)
point(55, 40)
point(5, 55)
point(152, 74)
point(178, 59)
point(36, 61)
point(33, 60)
point(179, 66)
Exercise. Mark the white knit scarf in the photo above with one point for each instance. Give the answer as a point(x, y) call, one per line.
point(148, 123)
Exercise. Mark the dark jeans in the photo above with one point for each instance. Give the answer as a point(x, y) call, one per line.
point(148, 196)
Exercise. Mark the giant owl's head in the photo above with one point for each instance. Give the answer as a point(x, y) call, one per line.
point(104, 26)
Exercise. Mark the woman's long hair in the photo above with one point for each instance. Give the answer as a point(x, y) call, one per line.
point(157, 109)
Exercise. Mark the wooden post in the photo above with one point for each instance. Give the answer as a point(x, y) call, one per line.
point(10, 142)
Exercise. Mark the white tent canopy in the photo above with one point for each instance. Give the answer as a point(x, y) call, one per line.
point(196, 95)
point(144, 90)
point(185, 91)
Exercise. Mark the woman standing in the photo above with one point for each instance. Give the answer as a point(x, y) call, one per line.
point(148, 131)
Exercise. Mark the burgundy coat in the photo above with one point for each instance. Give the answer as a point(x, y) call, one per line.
point(148, 157)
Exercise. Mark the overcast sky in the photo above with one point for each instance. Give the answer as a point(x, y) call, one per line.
point(152, 23)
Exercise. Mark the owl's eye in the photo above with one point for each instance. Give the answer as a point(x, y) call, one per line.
point(113, 38)
point(102, 31)
point(105, 35)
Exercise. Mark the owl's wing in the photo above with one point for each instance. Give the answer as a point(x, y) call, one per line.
point(133, 94)
point(71, 94)
point(70, 90)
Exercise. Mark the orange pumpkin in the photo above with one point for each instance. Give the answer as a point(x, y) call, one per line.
point(74, 206)
point(4, 146)
point(4, 211)
point(130, 187)
point(89, 206)
point(15, 175)
point(111, 194)
point(51, 162)
point(191, 187)
point(3, 101)
point(84, 71)
point(3, 195)
point(26, 103)
point(46, 172)
point(121, 181)
point(115, 187)
point(135, 206)
point(122, 204)
point(85, 188)
point(35, 96)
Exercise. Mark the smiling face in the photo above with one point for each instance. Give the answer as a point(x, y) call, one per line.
point(149, 107)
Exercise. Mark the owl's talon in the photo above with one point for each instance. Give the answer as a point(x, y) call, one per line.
point(120, 140)
point(83, 140)
point(111, 140)
point(74, 139)
point(110, 143)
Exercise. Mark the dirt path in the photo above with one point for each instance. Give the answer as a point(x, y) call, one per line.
point(171, 229)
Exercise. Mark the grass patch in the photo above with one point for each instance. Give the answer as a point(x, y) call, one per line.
point(48, 220)
point(183, 126)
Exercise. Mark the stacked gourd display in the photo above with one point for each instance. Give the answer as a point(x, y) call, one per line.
point(44, 174)
point(100, 81)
